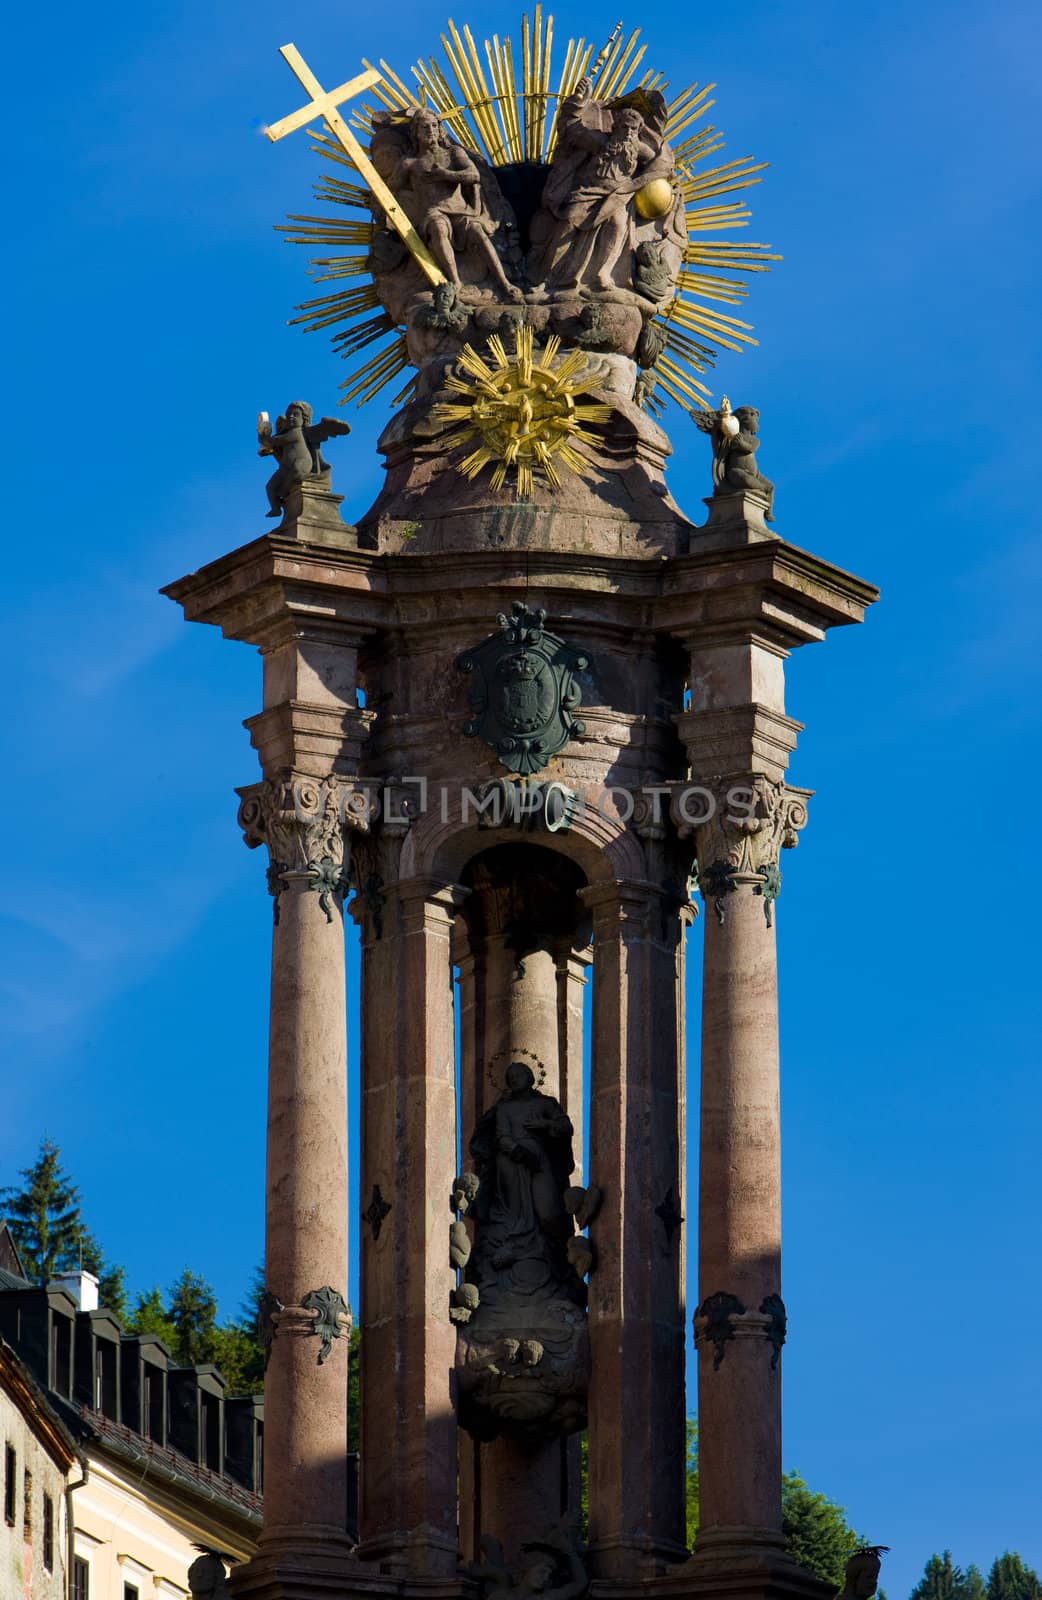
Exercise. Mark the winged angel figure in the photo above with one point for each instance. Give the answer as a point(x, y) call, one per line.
point(295, 446)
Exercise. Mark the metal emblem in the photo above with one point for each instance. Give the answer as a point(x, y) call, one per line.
point(525, 691)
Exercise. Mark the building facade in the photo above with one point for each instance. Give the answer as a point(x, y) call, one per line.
point(125, 1464)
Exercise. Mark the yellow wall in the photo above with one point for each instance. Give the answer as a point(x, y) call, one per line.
point(131, 1530)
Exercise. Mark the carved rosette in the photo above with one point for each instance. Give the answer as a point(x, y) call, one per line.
point(744, 824)
point(305, 823)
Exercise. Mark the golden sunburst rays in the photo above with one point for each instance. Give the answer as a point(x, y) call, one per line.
point(525, 410)
point(504, 102)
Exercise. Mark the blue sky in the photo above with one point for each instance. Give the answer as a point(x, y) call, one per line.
point(897, 384)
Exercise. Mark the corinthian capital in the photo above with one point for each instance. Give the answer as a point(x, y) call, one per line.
point(741, 825)
point(305, 823)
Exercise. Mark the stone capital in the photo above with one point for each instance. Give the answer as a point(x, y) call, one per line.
point(305, 823)
point(740, 825)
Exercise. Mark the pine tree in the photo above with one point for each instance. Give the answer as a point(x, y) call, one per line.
point(193, 1313)
point(817, 1531)
point(44, 1216)
point(354, 1388)
point(973, 1586)
point(1010, 1579)
point(150, 1316)
point(941, 1580)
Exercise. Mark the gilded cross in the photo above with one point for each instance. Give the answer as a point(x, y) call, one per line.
point(324, 103)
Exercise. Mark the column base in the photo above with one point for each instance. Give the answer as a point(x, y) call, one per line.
point(728, 1564)
point(328, 1569)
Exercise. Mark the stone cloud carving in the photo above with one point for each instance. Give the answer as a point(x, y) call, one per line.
point(523, 1355)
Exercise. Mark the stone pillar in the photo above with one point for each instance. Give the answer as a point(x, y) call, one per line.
point(636, 1432)
point(408, 1509)
point(740, 1323)
point(302, 821)
point(573, 966)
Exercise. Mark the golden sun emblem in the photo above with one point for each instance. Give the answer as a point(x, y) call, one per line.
point(526, 412)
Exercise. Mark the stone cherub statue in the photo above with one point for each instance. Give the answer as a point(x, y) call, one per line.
point(735, 436)
point(207, 1579)
point(551, 1568)
point(295, 445)
point(861, 1579)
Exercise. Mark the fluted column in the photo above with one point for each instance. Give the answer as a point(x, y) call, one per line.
point(302, 820)
point(408, 1504)
point(636, 1406)
point(740, 1323)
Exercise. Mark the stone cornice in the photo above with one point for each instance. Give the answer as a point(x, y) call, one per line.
point(784, 594)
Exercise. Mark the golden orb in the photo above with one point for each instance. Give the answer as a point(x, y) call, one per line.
point(654, 200)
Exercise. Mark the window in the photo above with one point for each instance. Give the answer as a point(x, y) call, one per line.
point(48, 1533)
point(61, 1355)
point(27, 1502)
point(10, 1473)
point(130, 1592)
point(80, 1579)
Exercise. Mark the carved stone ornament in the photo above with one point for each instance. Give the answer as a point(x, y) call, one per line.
point(267, 1321)
point(861, 1577)
point(668, 1213)
point(717, 1311)
point(332, 1318)
point(522, 1357)
point(549, 1568)
point(525, 691)
point(375, 1212)
point(304, 822)
point(295, 444)
point(773, 1308)
point(751, 821)
point(533, 807)
point(735, 436)
point(207, 1578)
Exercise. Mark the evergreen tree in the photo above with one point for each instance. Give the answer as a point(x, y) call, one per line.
point(941, 1580)
point(1010, 1579)
point(44, 1215)
point(817, 1531)
point(238, 1358)
point(150, 1316)
point(973, 1586)
point(193, 1313)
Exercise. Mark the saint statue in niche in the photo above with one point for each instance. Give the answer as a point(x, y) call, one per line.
point(522, 1150)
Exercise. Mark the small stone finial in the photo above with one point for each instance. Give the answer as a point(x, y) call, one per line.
point(302, 473)
point(861, 1579)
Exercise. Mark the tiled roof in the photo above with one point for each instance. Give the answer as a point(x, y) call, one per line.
point(11, 1280)
point(168, 1465)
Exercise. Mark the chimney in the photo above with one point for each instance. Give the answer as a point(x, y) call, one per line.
point(81, 1285)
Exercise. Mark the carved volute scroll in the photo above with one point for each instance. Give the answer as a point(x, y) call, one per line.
point(747, 823)
point(305, 823)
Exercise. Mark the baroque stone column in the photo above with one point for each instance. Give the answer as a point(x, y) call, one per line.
point(740, 1323)
point(636, 1430)
point(408, 1507)
point(304, 822)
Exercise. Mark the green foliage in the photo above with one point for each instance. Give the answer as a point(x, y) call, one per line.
point(1010, 1579)
point(354, 1391)
point(943, 1580)
point(193, 1312)
point(44, 1215)
point(691, 1480)
point(238, 1358)
point(817, 1531)
point(973, 1586)
point(150, 1316)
